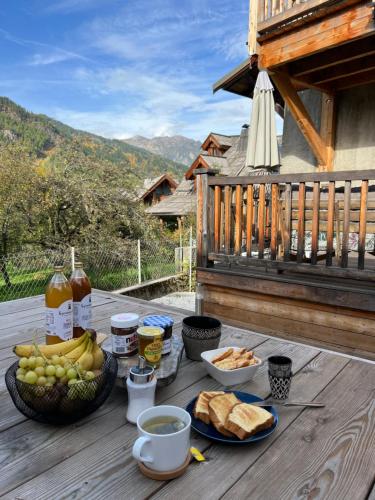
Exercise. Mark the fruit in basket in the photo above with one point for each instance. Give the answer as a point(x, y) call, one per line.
point(60, 349)
point(86, 360)
point(98, 355)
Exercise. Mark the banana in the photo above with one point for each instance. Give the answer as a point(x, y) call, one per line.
point(86, 360)
point(78, 351)
point(61, 349)
point(98, 357)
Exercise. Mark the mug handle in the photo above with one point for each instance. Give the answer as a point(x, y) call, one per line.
point(137, 449)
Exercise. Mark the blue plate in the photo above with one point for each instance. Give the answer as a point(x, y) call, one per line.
point(210, 432)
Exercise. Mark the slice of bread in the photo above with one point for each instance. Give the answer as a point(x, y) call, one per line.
point(244, 420)
point(219, 408)
point(201, 405)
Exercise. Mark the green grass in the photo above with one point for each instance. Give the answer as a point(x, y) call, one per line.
point(29, 283)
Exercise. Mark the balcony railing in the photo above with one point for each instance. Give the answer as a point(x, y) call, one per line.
point(270, 14)
point(320, 223)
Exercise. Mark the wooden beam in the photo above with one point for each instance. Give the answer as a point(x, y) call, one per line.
point(337, 29)
point(253, 27)
point(363, 78)
point(327, 129)
point(302, 117)
point(340, 70)
point(332, 57)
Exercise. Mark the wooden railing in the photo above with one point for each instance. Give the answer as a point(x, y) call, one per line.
point(321, 223)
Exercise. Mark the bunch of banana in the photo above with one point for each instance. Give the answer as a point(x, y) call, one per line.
point(83, 350)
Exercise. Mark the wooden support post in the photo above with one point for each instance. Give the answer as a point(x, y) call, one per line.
point(300, 114)
point(253, 27)
point(327, 129)
point(204, 213)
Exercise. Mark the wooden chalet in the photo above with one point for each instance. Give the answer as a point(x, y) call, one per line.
point(155, 190)
point(293, 254)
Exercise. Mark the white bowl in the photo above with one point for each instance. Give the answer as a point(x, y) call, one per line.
point(229, 377)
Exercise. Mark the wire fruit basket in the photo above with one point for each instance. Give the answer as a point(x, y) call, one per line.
point(62, 404)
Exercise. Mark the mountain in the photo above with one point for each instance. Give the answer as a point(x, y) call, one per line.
point(51, 142)
point(177, 148)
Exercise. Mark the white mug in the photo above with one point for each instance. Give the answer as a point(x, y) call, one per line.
point(162, 452)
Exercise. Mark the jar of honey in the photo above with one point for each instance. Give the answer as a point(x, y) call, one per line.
point(150, 344)
point(165, 322)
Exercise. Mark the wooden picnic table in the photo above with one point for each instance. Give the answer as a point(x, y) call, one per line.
point(313, 454)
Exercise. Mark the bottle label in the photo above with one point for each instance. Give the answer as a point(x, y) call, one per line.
point(167, 344)
point(153, 351)
point(59, 320)
point(124, 344)
point(82, 312)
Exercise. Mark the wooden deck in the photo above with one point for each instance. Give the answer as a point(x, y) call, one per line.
point(320, 454)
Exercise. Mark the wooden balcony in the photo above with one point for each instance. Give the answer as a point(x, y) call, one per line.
point(305, 242)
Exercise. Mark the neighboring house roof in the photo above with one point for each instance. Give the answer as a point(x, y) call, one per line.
point(150, 184)
point(206, 161)
point(220, 140)
point(181, 202)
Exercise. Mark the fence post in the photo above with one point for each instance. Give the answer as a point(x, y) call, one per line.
point(73, 257)
point(190, 256)
point(139, 262)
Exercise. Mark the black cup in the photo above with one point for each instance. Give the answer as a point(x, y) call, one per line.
point(280, 376)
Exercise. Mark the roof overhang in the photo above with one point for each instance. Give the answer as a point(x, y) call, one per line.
point(241, 81)
point(165, 177)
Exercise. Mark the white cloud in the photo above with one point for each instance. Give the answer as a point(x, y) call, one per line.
point(52, 57)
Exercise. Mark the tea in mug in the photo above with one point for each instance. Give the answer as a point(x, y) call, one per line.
point(163, 425)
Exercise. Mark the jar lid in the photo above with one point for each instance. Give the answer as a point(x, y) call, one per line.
point(124, 320)
point(150, 331)
point(158, 320)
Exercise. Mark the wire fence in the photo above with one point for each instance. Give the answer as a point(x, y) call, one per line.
point(27, 274)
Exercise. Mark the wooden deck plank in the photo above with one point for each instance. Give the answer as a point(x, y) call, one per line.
point(336, 441)
point(227, 466)
point(93, 458)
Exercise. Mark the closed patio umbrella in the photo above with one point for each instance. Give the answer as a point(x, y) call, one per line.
point(262, 149)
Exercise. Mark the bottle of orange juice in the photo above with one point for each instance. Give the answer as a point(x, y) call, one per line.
point(81, 288)
point(59, 304)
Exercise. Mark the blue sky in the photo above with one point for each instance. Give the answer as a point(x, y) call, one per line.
point(124, 67)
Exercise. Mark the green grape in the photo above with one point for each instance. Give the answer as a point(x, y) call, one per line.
point(71, 373)
point(21, 377)
point(72, 381)
point(23, 363)
point(31, 377)
point(50, 370)
point(89, 375)
point(55, 360)
point(32, 362)
point(39, 361)
point(60, 371)
point(39, 370)
point(67, 365)
point(48, 384)
point(21, 371)
point(41, 381)
point(51, 379)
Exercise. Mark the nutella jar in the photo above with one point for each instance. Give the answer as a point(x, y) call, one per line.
point(124, 334)
point(165, 322)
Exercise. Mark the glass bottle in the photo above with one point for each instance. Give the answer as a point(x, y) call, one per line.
point(81, 288)
point(59, 305)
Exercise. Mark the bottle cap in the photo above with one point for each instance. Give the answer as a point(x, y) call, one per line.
point(158, 320)
point(124, 320)
point(58, 268)
point(142, 373)
point(78, 265)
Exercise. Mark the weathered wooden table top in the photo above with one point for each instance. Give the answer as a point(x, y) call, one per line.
point(314, 453)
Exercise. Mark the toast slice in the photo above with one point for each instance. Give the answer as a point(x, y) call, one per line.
point(219, 408)
point(244, 420)
point(201, 405)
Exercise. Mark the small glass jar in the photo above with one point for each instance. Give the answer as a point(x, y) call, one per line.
point(150, 344)
point(124, 334)
point(165, 322)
